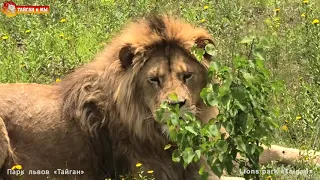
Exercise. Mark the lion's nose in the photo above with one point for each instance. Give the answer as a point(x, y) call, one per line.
point(179, 102)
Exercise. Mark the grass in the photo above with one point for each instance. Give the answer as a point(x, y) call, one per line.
point(44, 48)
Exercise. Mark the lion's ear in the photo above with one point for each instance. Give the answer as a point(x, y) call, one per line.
point(126, 55)
point(201, 43)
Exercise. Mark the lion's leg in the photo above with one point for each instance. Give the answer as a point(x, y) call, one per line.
point(284, 155)
point(4, 143)
point(6, 153)
point(288, 155)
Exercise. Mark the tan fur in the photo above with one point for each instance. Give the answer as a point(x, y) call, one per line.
point(100, 118)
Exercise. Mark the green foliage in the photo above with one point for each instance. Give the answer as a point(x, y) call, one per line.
point(242, 96)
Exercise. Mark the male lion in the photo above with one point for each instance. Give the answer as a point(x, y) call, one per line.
point(100, 118)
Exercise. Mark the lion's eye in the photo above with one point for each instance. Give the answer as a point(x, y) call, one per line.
point(187, 76)
point(154, 80)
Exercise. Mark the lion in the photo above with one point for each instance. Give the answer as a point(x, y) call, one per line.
point(99, 120)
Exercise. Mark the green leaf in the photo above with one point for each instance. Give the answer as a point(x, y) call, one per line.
point(217, 168)
point(214, 66)
point(201, 170)
point(247, 76)
point(212, 99)
point(250, 124)
point(229, 164)
point(173, 133)
point(241, 146)
point(198, 153)
point(187, 156)
point(173, 97)
point(229, 127)
point(243, 117)
point(174, 118)
point(247, 40)
point(250, 149)
point(238, 93)
point(191, 129)
point(176, 156)
point(167, 146)
point(213, 129)
point(210, 49)
point(160, 115)
point(221, 146)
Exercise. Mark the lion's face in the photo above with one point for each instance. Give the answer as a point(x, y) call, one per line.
point(172, 70)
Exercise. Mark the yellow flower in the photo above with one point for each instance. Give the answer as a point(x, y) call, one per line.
point(138, 165)
point(61, 35)
point(150, 171)
point(284, 128)
point(315, 21)
point(305, 1)
point(206, 7)
point(28, 31)
point(269, 177)
point(303, 15)
point(62, 20)
point(16, 167)
point(277, 10)
point(306, 157)
point(298, 117)
point(203, 20)
point(58, 80)
point(5, 37)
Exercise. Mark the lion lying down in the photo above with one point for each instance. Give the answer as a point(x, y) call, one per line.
point(99, 121)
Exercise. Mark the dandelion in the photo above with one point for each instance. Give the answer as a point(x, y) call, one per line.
point(28, 31)
point(305, 1)
point(138, 165)
point(58, 80)
point(315, 21)
point(303, 15)
point(206, 7)
point(62, 20)
point(203, 20)
point(5, 37)
point(19, 167)
point(277, 10)
point(61, 35)
point(150, 171)
point(298, 117)
point(284, 128)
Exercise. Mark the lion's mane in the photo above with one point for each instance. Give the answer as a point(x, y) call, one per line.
point(104, 99)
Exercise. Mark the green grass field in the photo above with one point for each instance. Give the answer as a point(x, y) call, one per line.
point(44, 48)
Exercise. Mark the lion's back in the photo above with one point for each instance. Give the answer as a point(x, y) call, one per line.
point(39, 135)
